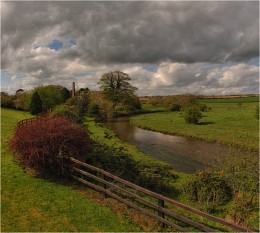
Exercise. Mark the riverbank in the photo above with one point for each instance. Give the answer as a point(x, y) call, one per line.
point(232, 124)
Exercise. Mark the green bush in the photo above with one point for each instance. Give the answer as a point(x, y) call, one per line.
point(192, 114)
point(208, 188)
point(174, 107)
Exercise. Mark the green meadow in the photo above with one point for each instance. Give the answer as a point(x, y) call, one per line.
point(31, 204)
point(231, 122)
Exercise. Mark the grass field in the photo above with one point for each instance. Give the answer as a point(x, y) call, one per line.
point(231, 123)
point(38, 205)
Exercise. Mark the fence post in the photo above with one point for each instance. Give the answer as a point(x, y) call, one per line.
point(160, 213)
point(104, 185)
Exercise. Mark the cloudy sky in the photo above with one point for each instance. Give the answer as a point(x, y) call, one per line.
point(167, 48)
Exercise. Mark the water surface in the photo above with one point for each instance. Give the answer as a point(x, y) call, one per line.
point(184, 154)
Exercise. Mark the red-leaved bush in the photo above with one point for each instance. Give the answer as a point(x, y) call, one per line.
point(44, 144)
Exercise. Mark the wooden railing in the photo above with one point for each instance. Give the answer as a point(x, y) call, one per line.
point(26, 121)
point(30, 121)
point(160, 209)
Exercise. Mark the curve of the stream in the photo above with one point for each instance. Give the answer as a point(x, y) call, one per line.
point(184, 154)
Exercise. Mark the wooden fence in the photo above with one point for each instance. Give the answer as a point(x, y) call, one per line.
point(162, 209)
point(26, 121)
point(30, 121)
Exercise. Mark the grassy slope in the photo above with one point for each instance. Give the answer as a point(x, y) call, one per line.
point(30, 204)
point(228, 123)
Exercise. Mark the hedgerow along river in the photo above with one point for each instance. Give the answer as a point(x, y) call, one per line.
point(184, 154)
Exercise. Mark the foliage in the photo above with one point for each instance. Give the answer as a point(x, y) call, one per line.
point(115, 85)
point(174, 107)
point(22, 101)
point(19, 92)
point(79, 104)
point(105, 105)
point(208, 188)
point(154, 176)
point(241, 209)
point(70, 112)
point(52, 95)
point(36, 104)
point(192, 114)
point(241, 171)
point(43, 144)
point(7, 100)
point(94, 111)
point(129, 104)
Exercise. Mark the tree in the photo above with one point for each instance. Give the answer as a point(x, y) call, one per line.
point(115, 84)
point(36, 104)
point(52, 95)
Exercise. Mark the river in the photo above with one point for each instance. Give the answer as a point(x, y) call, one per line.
point(184, 154)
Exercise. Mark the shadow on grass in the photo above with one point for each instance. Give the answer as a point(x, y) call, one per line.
point(206, 123)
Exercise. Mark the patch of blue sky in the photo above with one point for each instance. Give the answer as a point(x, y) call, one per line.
point(253, 61)
point(56, 45)
point(7, 77)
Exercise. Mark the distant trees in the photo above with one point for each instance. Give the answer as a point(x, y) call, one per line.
point(7, 100)
point(36, 104)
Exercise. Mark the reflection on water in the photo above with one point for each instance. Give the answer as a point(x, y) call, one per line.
point(184, 154)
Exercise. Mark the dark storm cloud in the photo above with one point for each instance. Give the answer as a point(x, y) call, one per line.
point(135, 32)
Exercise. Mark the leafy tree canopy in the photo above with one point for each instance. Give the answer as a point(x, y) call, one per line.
point(115, 85)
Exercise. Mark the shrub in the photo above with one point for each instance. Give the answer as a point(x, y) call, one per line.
point(174, 107)
point(36, 104)
point(192, 114)
point(43, 144)
point(208, 188)
point(94, 111)
point(203, 107)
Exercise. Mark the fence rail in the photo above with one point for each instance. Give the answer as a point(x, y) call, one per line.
point(30, 121)
point(126, 192)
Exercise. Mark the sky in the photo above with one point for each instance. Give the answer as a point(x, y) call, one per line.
point(166, 47)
